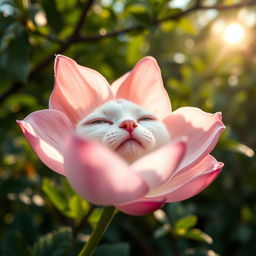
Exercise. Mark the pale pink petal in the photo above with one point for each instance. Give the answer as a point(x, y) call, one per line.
point(202, 130)
point(144, 86)
point(118, 82)
point(99, 175)
point(141, 207)
point(78, 90)
point(45, 130)
point(188, 183)
point(193, 187)
point(157, 167)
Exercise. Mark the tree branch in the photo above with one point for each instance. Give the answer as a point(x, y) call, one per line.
point(135, 27)
point(75, 37)
point(82, 19)
point(65, 44)
point(49, 37)
point(175, 16)
point(98, 37)
point(76, 30)
point(229, 7)
point(198, 3)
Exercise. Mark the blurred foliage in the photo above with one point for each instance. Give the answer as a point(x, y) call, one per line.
point(40, 214)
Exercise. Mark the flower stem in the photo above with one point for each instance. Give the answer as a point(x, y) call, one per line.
point(104, 221)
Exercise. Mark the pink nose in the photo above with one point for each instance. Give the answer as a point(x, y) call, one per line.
point(128, 125)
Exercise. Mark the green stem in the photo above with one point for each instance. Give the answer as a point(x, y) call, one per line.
point(105, 219)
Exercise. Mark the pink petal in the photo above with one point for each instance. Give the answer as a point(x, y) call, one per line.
point(141, 207)
point(157, 167)
point(99, 175)
point(144, 86)
point(188, 183)
point(202, 130)
point(194, 187)
point(45, 130)
point(78, 90)
point(118, 82)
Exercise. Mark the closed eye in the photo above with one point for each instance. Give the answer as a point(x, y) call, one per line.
point(98, 121)
point(146, 118)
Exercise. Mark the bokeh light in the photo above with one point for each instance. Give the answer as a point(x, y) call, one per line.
point(234, 33)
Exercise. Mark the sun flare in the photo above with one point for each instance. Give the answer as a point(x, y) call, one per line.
point(234, 33)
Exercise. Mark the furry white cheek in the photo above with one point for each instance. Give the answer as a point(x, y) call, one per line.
point(145, 138)
point(94, 132)
point(159, 133)
point(128, 146)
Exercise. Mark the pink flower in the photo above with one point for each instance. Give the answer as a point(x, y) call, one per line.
point(176, 171)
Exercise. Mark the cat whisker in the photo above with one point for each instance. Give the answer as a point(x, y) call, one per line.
point(103, 125)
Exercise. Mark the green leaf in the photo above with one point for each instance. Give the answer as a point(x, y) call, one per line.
point(20, 4)
point(134, 50)
point(22, 99)
point(157, 6)
point(200, 252)
point(78, 207)
point(187, 26)
point(168, 12)
point(140, 13)
point(53, 14)
point(4, 23)
point(136, 6)
point(95, 216)
point(235, 146)
point(198, 235)
point(14, 244)
point(8, 36)
point(120, 249)
point(54, 244)
point(183, 224)
point(56, 196)
point(65, 200)
point(66, 186)
point(14, 49)
point(168, 26)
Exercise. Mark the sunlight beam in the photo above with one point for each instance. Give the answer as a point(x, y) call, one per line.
point(234, 33)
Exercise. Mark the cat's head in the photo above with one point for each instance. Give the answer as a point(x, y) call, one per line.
point(125, 127)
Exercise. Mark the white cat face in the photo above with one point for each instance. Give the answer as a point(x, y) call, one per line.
point(125, 127)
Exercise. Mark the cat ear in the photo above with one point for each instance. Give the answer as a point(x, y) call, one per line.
point(77, 90)
point(144, 86)
point(118, 82)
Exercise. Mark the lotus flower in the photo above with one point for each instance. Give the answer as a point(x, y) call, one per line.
point(174, 172)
